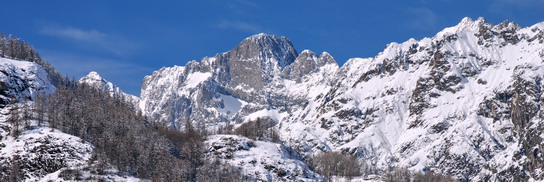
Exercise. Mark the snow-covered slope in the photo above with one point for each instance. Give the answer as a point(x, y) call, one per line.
point(41, 151)
point(260, 160)
point(22, 80)
point(466, 102)
point(95, 80)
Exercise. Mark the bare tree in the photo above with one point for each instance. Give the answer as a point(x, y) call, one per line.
point(331, 164)
point(26, 116)
point(40, 108)
point(398, 175)
point(15, 120)
point(15, 173)
point(258, 129)
point(432, 177)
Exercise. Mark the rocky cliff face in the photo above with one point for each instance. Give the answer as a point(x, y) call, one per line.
point(466, 102)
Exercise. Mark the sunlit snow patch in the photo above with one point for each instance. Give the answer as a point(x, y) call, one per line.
point(196, 78)
point(231, 105)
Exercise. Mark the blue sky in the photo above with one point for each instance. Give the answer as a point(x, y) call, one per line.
point(126, 40)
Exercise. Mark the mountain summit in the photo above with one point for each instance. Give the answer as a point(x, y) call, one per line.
point(263, 48)
point(95, 80)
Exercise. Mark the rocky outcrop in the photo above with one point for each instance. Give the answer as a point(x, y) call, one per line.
point(22, 80)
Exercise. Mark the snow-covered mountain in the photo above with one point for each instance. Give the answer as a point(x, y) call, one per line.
point(263, 74)
point(95, 80)
point(465, 102)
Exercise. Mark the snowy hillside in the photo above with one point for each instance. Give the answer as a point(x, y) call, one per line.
point(39, 152)
point(466, 102)
point(22, 80)
point(30, 150)
point(261, 160)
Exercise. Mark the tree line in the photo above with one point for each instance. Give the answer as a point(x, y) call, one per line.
point(122, 136)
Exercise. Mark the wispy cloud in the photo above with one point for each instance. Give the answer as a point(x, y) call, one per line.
point(240, 26)
point(74, 33)
point(92, 38)
point(128, 76)
point(422, 18)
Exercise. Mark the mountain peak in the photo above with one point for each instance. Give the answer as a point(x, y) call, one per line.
point(507, 25)
point(465, 24)
point(93, 75)
point(468, 22)
point(260, 35)
point(266, 47)
point(94, 79)
point(264, 36)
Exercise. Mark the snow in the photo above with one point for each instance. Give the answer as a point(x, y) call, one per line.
point(66, 149)
point(86, 175)
point(261, 160)
point(466, 24)
point(36, 77)
point(386, 133)
point(95, 80)
point(272, 114)
point(194, 79)
point(231, 105)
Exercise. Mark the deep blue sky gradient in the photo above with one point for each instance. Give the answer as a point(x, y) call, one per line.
point(126, 40)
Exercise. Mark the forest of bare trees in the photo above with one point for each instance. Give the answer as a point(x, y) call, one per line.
point(121, 136)
point(331, 164)
point(258, 129)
